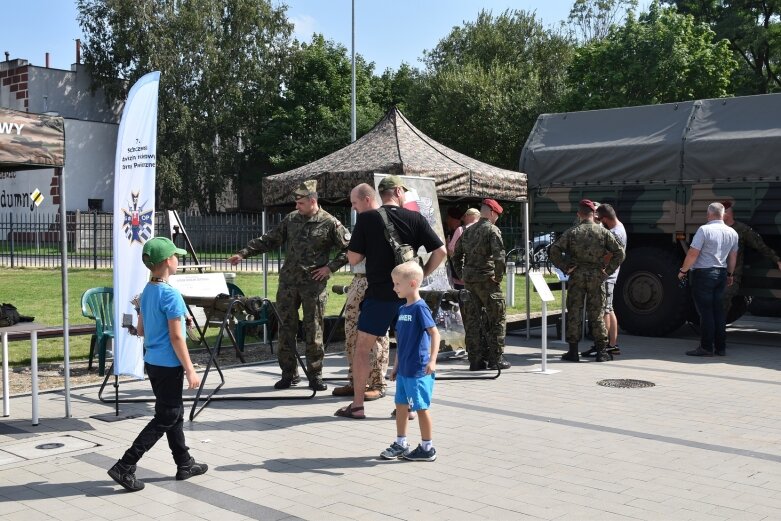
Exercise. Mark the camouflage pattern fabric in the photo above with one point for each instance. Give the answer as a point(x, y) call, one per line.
point(479, 261)
point(746, 237)
point(584, 247)
point(312, 297)
point(479, 255)
point(380, 353)
point(379, 152)
point(486, 294)
point(31, 140)
point(308, 241)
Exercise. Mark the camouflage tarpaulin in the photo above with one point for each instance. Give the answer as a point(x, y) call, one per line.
point(31, 140)
point(395, 146)
point(693, 141)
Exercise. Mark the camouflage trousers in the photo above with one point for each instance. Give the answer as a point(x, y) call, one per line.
point(312, 297)
point(380, 353)
point(730, 293)
point(588, 287)
point(486, 295)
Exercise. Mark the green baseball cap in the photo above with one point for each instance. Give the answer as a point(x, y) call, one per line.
point(392, 181)
point(158, 249)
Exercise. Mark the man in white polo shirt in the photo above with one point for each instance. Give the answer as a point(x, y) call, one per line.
point(711, 261)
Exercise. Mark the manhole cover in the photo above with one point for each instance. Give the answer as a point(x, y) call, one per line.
point(625, 383)
point(49, 446)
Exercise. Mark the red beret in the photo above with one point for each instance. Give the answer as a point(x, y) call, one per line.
point(493, 205)
point(588, 203)
point(727, 205)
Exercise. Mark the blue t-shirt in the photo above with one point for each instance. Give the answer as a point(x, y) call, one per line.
point(413, 342)
point(159, 304)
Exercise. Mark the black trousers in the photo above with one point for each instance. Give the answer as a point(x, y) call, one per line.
point(169, 416)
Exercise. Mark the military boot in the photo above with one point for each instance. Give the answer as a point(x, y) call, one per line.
point(572, 355)
point(603, 355)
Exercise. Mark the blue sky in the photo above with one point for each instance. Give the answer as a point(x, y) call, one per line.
point(387, 32)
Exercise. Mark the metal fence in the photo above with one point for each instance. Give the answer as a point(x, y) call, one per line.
point(34, 240)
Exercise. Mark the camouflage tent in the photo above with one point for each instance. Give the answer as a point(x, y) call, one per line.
point(395, 146)
point(31, 140)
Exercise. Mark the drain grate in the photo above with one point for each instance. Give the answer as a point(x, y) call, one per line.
point(624, 383)
point(49, 446)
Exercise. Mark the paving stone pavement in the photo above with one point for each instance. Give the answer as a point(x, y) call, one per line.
point(702, 444)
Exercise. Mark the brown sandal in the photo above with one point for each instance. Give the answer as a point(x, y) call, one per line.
point(349, 411)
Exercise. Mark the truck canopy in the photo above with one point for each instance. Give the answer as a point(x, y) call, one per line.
point(728, 139)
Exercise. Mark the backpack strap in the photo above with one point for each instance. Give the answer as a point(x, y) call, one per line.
point(391, 235)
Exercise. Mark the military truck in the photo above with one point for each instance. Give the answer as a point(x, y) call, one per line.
point(660, 166)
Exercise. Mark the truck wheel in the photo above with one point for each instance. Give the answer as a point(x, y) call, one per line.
point(648, 298)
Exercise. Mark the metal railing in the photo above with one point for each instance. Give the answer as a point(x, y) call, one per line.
point(34, 240)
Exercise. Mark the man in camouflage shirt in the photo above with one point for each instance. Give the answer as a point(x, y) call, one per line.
point(479, 261)
point(309, 234)
point(580, 253)
point(746, 237)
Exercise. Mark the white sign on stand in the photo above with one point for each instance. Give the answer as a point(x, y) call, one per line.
point(207, 285)
point(541, 286)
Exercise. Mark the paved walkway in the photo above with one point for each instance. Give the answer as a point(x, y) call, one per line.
point(702, 444)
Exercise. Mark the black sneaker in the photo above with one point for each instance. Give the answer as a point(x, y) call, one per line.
point(318, 384)
point(421, 455)
point(125, 475)
point(286, 383)
point(190, 469)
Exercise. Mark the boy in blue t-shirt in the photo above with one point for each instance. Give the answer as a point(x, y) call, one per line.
point(162, 322)
point(417, 345)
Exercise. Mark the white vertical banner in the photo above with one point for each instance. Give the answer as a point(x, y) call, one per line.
point(134, 211)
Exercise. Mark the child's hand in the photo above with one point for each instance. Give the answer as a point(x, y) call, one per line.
point(193, 380)
point(189, 322)
point(431, 367)
point(393, 374)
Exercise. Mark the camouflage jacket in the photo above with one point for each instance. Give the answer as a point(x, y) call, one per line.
point(748, 237)
point(585, 246)
point(308, 242)
point(479, 254)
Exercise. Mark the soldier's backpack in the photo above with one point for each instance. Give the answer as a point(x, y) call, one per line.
point(10, 316)
point(401, 252)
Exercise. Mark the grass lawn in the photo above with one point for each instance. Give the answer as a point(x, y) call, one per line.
point(38, 292)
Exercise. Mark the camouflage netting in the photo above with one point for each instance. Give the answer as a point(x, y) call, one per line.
point(31, 140)
point(395, 146)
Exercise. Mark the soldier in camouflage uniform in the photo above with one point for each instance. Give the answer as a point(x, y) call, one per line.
point(479, 261)
point(580, 253)
point(746, 237)
point(308, 234)
point(363, 198)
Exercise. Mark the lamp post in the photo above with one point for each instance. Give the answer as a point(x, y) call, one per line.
point(352, 97)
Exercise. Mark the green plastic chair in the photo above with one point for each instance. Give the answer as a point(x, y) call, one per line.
point(98, 304)
point(239, 330)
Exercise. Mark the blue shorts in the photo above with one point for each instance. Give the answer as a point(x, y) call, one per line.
point(377, 315)
point(415, 392)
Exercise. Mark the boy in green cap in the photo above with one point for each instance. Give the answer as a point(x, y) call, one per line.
point(162, 321)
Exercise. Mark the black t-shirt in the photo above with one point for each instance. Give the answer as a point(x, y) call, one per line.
point(368, 238)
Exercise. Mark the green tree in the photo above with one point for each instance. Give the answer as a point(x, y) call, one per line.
point(312, 118)
point(592, 19)
point(753, 29)
point(220, 63)
point(661, 57)
point(487, 82)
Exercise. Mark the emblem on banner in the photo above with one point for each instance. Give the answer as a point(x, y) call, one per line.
point(137, 222)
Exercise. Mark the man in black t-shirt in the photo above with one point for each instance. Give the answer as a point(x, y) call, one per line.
point(381, 304)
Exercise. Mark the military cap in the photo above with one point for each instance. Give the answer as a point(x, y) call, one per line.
point(588, 203)
point(726, 204)
point(493, 205)
point(390, 182)
point(306, 189)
